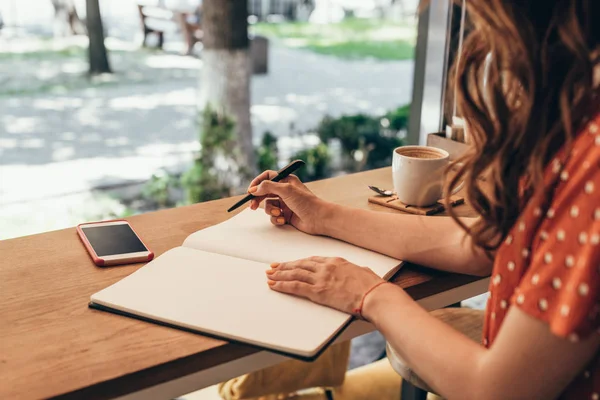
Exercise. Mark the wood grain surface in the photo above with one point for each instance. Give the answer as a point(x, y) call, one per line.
point(53, 345)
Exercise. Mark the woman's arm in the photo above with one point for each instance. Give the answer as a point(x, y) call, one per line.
point(436, 242)
point(526, 361)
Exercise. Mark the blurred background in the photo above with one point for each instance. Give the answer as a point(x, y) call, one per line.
point(110, 108)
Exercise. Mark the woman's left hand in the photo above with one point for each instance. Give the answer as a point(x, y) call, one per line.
point(333, 282)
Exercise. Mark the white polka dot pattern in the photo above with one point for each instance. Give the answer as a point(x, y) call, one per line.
point(535, 279)
point(583, 289)
point(556, 283)
point(556, 166)
point(549, 263)
point(589, 187)
point(496, 280)
point(574, 211)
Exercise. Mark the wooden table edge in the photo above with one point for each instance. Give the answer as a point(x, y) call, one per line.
point(193, 365)
point(431, 293)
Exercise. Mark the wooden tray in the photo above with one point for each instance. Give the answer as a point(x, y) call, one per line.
point(393, 202)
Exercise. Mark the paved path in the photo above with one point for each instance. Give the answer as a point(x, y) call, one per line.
point(57, 144)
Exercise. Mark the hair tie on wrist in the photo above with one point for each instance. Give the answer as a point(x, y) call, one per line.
point(358, 311)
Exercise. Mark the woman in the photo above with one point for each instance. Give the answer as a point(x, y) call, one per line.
point(535, 130)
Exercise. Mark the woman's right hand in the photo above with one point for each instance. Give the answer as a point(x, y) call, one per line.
point(288, 201)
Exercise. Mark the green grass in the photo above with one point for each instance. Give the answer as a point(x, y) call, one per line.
point(380, 50)
point(49, 54)
point(68, 52)
point(351, 39)
point(81, 82)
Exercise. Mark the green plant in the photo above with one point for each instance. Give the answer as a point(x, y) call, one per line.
point(127, 212)
point(317, 161)
point(367, 142)
point(158, 188)
point(398, 118)
point(215, 169)
point(267, 152)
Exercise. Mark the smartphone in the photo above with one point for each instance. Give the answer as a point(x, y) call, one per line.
point(113, 242)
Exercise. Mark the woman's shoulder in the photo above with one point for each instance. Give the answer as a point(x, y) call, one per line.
point(577, 168)
point(562, 282)
point(587, 141)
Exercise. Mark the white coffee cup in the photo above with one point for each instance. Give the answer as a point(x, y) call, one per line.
point(418, 173)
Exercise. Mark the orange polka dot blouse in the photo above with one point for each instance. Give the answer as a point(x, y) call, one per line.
point(549, 264)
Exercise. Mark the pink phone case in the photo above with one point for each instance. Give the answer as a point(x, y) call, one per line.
point(100, 261)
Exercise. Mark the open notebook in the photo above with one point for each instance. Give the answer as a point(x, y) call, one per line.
point(215, 284)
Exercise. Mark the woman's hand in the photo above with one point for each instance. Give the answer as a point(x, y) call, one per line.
point(333, 282)
point(294, 203)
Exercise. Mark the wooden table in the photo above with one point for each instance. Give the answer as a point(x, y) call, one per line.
point(53, 345)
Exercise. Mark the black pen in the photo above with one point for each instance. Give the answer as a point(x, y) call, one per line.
point(282, 173)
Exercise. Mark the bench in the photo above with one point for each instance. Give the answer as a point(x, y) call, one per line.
point(158, 20)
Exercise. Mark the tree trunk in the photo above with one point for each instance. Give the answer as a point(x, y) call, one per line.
point(226, 70)
point(96, 49)
point(66, 20)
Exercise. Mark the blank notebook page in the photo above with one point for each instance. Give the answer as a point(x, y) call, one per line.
point(224, 296)
point(251, 235)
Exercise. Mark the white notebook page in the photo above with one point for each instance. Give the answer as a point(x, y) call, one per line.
point(224, 296)
point(250, 235)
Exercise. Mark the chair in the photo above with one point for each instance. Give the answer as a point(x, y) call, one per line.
point(465, 320)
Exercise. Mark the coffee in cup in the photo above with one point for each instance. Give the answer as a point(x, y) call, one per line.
point(418, 173)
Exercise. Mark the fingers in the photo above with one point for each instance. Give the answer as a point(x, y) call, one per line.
point(296, 288)
point(307, 264)
point(298, 274)
point(276, 213)
point(272, 208)
point(294, 277)
point(254, 203)
point(293, 179)
point(278, 221)
point(267, 175)
point(262, 187)
point(270, 188)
